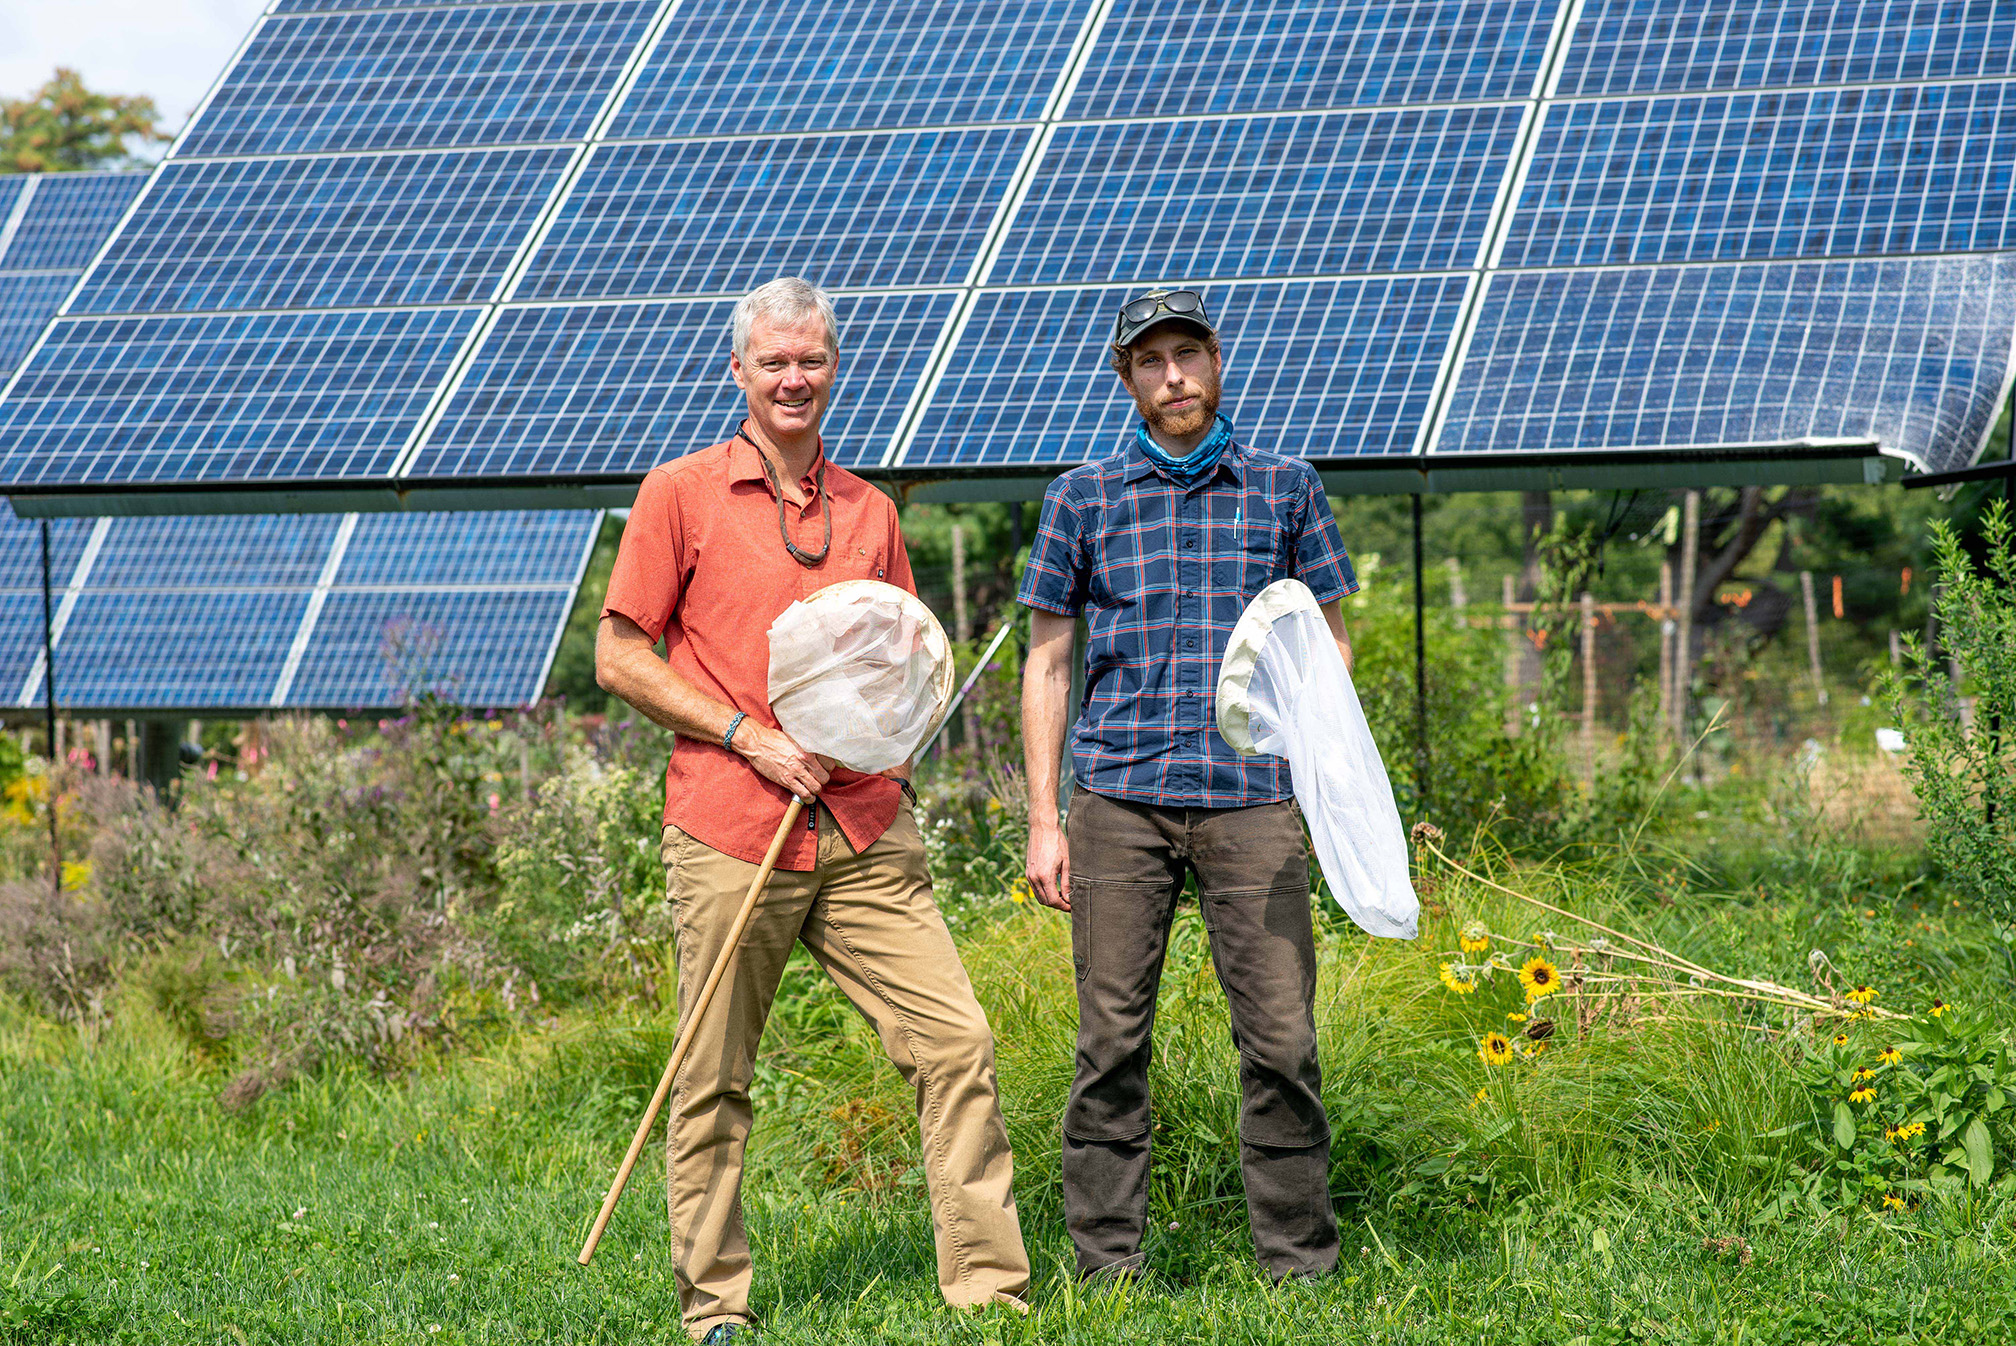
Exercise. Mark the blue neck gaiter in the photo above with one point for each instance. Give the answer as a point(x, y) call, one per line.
point(1194, 466)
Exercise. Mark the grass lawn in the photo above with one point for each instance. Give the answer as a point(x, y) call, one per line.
point(447, 1208)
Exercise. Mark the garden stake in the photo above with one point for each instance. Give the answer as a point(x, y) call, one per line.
point(685, 1040)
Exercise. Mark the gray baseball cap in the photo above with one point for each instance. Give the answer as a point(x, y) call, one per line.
point(1147, 310)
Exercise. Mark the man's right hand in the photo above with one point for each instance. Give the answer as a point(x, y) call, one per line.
point(1049, 866)
point(777, 758)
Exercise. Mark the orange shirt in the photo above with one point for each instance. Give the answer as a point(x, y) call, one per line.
point(701, 563)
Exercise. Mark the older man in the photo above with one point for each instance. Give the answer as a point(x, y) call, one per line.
point(1160, 545)
point(719, 542)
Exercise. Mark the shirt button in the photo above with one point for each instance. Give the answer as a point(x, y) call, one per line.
point(1189, 544)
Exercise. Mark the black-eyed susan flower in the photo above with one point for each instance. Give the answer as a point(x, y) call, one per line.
point(1863, 1074)
point(1862, 995)
point(1889, 1056)
point(1863, 1095)
point(1891, 1201)
point(1539, 977)
point(1461, 980)
point(1515, 1017)
point(1911, 1132)
point(1840, 1039)
point(1939, 1008)
point(1496, 1049)
point(1474, 937)
point(1892, 1133)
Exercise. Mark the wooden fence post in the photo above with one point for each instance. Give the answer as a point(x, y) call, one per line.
point(1812, 634)
point(1666, 628)
point(1683, 660)
point(1513, 710)
point(1589, 686)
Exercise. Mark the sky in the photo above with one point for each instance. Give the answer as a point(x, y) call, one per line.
point(170, 50)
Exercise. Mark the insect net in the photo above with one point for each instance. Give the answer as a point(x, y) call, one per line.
point(860, 672)
point(1283, 690)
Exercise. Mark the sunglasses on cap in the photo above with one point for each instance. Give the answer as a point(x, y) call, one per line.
point(1137, 314)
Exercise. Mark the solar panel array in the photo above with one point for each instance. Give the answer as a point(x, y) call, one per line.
point(330, 611)
point(486, 240)
point(241, 612)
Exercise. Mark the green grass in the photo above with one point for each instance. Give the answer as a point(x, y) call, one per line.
point(1569, 1205)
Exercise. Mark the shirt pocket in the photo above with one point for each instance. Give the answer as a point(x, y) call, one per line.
point(1250, 558)
point(862, 561)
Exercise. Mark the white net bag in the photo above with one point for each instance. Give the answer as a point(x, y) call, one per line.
point(1284, 690)
point(860, 672)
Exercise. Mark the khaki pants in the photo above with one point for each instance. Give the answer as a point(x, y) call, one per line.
point(869, 921)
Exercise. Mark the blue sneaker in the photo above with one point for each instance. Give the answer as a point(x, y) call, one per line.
point(729, 1334)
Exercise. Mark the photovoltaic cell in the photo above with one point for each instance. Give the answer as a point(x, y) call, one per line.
point(387, 229)
point(722, 216)
point(217, 551)
point(1329, 369)
point(68, 218)
point(1689, 46)
point(1220, 56)
point(492, 549)
point(1809, 173)
point(737, 69)
point(12, 185)
point(621, 387)
point(374, 648)
point(20, 639)
point(1910, 351)
point(451, 76)
point(176, 649)
point(1261, 196)
point(225, 398)
point(28, 300)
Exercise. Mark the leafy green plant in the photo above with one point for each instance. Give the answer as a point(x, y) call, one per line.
point(1963, 771)
point(1925, 1112)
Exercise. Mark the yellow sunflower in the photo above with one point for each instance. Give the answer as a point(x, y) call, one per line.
point(1496, 1049)
point(1539, 977)
point(1890, 1056)
point(1862, 995)
point(1863, 1095)
point(1474, 937)
point(1461, 985)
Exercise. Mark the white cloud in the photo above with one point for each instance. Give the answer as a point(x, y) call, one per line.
point(170, 50)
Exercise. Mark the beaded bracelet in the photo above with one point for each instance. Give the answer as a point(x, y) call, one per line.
point(728, 739)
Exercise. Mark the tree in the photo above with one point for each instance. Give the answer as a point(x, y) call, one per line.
point(64, 126)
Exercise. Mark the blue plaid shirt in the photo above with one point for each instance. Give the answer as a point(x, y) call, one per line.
point(1162, 575)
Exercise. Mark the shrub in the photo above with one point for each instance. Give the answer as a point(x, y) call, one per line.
point(1961, 771)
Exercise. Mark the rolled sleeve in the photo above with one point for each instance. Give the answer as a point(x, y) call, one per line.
point(646, 581)
point(1320, 559)
point(1054, 580)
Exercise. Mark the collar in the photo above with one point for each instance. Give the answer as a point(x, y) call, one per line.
point(745, 463)
point(1139, 467)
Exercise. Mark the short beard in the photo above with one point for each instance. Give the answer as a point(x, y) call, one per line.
point(1181, 424)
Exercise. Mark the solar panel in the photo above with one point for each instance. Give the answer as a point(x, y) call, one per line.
point(1823, 173)
point(1684, 46)
point(728, 69)
point(382, 649)
point(466, 75)
point(28, 300)
point(1261, 196)
point(374, 230)
point(1220, 56)
point(67, 219)
point(1406, 184)
point(1753, 353)
point(1029, 383)
point(277, 396)
point(205, 613)
point(607, 388)
point(722, 216)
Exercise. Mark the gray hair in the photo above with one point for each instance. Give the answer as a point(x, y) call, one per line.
point(785, 299)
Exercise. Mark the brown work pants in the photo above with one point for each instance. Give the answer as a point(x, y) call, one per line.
point(1129, 862)
point(869, 921)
